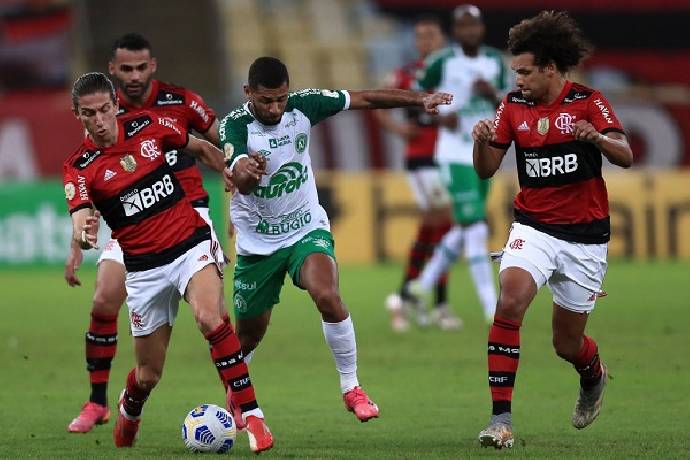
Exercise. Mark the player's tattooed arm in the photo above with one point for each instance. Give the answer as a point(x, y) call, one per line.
point(207, 153)
point(392, 98)
point(85, 225)
point(486, 158)
point(613, 145)
point(247, 172)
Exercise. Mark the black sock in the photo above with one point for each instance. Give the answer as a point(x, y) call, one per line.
point(441, 294)
point(98, 393)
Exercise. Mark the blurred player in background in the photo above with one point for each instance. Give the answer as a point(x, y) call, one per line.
point(132, 68)
point(281, 227)
point(561, 231)
point(169, 250)
point(419, 131)
point(477, 76)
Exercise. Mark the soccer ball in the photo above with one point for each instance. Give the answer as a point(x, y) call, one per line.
point(209, 428)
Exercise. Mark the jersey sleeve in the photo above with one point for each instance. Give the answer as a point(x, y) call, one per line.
point(173, 136)
point(429, 77)
point(502, 125)
point(602, 116)
point(319, 104)
point(199, 115)
point(76, 188)
point(232, 132)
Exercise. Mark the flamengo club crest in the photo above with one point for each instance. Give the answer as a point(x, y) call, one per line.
point(543, 126)
point(149, 150)
point(564, 122)
point(128, 163)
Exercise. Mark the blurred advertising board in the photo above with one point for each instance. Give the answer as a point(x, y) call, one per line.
point(374, 217)
point(36, 228)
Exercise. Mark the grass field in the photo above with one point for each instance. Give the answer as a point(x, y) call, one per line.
point(430, 385)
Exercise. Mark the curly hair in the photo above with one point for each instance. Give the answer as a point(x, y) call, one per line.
point(552, 36)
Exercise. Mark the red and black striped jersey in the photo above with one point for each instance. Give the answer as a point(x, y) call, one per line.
point(420, 149)
point(189, 110)
point(562, 191)
point(136, 191)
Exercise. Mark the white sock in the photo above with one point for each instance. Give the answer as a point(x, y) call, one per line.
point(254, 412)
point(480, 266)
point(340, 337)
point(445, 254)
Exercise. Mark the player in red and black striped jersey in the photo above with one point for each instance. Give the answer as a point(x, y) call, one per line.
point(169, 250)
point(561, 130)
point(420, 130)
point(132, 67)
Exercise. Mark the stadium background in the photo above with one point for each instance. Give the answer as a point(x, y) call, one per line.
point(641, 62)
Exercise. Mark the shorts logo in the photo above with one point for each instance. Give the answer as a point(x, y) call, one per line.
point(203, 258)
point(149, 150)
point(241, 285)
point(137, 200)
point(301, 143)
point(517, 243)
point(593, 297)
point(564, 123)
point(239, 303)
point(136, 319)
point(70, 191)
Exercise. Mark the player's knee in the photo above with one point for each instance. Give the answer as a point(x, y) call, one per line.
point(207, 319)
point(329, 303)
point(148, 378)
point(511, 306)
point(105, 303)
point(565, 347)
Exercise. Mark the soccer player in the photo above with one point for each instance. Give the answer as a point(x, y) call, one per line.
point(281, 227)
point(479, 75)
point(419, 131)
point(168, 249)
point(132, 67)
point(561, 231)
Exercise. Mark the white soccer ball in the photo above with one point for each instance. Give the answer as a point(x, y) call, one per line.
point(209, 428)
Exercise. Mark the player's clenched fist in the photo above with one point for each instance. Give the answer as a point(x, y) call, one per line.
point(585, 131)
point(248, 171)
point(484, 131)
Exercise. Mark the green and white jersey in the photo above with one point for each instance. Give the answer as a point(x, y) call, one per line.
point(284, 206)
point(450, 70)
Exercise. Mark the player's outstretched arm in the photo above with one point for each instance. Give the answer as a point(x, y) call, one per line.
point(206, 152)
point(85, 228)
point(392, 98)
point(613, 145)
point(486, 158)
point(247, 172)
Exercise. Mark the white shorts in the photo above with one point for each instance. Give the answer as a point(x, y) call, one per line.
point(573, 271)
point(153, 296)
point(428, 189)
point(112, 250)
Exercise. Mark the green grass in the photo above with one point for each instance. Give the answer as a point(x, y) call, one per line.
point(430, 385)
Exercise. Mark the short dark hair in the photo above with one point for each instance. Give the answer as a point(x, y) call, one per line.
point(89, 83)
point(132, 42)
point(428, 19)
point(268, 72)
point(552, 36)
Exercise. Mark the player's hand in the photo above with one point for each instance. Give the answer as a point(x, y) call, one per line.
point(72, 265)
point(432, 101)
point(484, 131)
point(89, 234)
point(260, 162)
point(227, 181)
point(585, 131)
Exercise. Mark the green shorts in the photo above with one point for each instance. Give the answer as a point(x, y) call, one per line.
point(467, 192)
point(258, 279)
